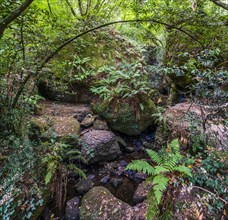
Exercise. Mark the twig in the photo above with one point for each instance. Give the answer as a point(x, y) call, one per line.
point(223, 200)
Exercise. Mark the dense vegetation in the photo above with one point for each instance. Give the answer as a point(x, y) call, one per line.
point(126, 56)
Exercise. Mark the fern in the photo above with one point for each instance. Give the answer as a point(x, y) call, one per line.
point(140, 165)
point(184, 170)
point(167, 161)
point(155, 157)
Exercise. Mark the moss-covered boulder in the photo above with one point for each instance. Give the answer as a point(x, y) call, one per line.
point(127, 119)
point(100, 204)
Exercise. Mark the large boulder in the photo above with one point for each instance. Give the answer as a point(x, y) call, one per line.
point(127, 119)
point(190, 122)
point(100, 204)
point(59, 119)
point(99, 145)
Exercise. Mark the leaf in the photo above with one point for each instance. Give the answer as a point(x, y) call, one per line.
point(140, 165)
point(141, 106)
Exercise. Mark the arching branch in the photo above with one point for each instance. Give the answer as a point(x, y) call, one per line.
point(221, 4)
point(13, 15)
point(49, 57)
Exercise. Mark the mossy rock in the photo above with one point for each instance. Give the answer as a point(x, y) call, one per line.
point(125, 120)
point(100, 204)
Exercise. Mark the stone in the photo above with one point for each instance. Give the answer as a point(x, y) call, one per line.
point(141, 175)
point(116, 182)
point(88, 121)
point(125, 120)
point(100, 204)
point(142, 192)
point(65, 126)
point(100, 125)
point(72, 209)
point(121, 141)
point(105, 180)
point(99, 145)
point(84, 185)
point(180, 120)
point(130, 149)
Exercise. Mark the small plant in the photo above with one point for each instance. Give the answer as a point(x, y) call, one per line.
point(81, 68)
point(167, 163)
point(211, 174)
point(126, 82)
point(59, 161)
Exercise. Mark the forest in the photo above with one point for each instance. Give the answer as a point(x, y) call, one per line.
point(114, 110)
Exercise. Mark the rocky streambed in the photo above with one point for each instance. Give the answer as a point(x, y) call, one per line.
point(110, 189)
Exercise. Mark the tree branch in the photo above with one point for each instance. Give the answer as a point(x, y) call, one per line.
point(220, 4)
point(13, 15)
point(49, 57)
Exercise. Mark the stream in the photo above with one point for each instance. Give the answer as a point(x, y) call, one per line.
point(111, 175)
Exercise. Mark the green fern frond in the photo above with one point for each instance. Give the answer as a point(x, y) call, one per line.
point(174, 144)
point(72, 167)
point(51, 169)
point(155, 157)
point(160, 169)
point(160, 184)
point(78, 158)
point(170, 165)
point(140, 165)
point(183, 169)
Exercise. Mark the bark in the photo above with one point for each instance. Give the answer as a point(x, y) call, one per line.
point(221, 4)
point(4, 22)
point(48, 58)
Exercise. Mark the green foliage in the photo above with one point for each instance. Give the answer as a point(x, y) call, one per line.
point(60, 160)
point(211, 175)
point(168, 162)
point(62, 154)
point(19, 174)
point(126, 82)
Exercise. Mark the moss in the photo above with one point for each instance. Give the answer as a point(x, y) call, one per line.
point(124, 120)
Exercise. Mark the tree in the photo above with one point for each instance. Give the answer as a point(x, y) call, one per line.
point(4, 22)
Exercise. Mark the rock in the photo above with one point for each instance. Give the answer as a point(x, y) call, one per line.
point(139, 211)
point(123, 163)
point(88, 120)
point(65, 126)
point(84, 185)
point(39, 125)
point(81, 93)
point(105, 180)
point(184, 121)
point(99, 145)
point(100, 125)
point(92, 176)
point(46, 214)
point(130, 149)
point(125, 119)
point(100, 204)
point(142, 192)
point(72, 209)
point(141, 175)
point(121, 142)
point(116, 182)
